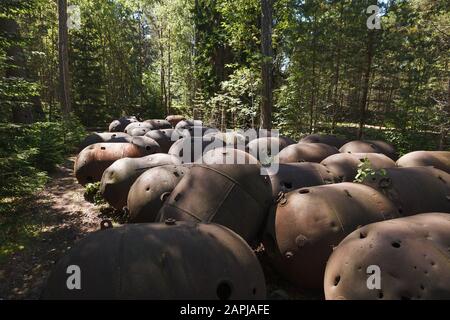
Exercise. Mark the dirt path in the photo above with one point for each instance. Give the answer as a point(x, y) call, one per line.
point(61, 216)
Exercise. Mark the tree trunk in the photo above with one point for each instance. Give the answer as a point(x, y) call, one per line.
point(267, 64)
point(366, 81)
point(64, 59)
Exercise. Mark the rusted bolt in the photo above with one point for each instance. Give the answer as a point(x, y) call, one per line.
point(106, 224)
point(170, 222)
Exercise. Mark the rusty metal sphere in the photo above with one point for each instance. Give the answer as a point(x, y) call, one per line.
point(411, 258)
point(265, 149)
point(231, 139)
point(186, 124)
point(148, 192)
point(227, 155)
point(415, 189)
point(305, 152)
point(175, 119)
point(104, 137)
point(120, 176)
point(307, 223)
point(163, 138)
point(160, 261)
point(323, 138)
point(95, 159)
point(236, 196)
point(158, 124)
point(370, 146)
point(120, 124)
point(345, 165)
point(438, 159)
point(192, 149)
point(137, 128)
point(292, 176)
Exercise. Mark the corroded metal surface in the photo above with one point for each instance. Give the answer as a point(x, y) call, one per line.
point(120, 124)
point(415, 189)
point(292, 176)
point(323, 138)
point(169, 260)
point(264, 149)
point(186, 124)
point(345, 165)
point(411, 253)
point(120, 176)
point(307, 223)
point(236, 196)
point(158, 124)
point(149, 191)
point(370, 146)
point(175, 119)
point(163, 137)
point(228, 155)
point(305, 152)
point(192, 149)
point(103, 137)
point(93, 160)
point(438, 159)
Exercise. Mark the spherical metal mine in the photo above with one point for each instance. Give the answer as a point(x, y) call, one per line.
point(163, 138)
point(438, 159)
point(192, 149)
point(292, 176)
point(186, 124)
point(326, 139)
point(266, 148)
point(158, 124)
point(104, 137)
point(309, 222)
point(121, 124)
point(95, 159)
point(236, 196)
point(305, 152)
point(165, 261)
point(345, 165)
point(175, 119)
point(120, 176)
point(228, 155)
point(150, 190)
point(370, 146)
point(414, 190)
point(401, 259)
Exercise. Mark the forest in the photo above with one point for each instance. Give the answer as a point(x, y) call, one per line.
point(356, 69)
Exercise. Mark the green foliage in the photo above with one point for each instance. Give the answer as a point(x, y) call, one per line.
point(366, 171)
point(93, 194)
point(29, 152)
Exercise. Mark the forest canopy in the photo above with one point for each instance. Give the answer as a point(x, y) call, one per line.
point(328, 71)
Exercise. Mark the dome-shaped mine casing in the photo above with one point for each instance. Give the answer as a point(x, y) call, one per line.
point(438, 159)
point(370, 146)
point(345, 165)
point(307, 223)
point(160, 261)
point(231, 139)
point(158, 124)
point(149, 191)
point(163, 138)
point(305, 152)
point(415, 189)
point(136, 125)
point(120, 176)
point(95, 159)
point(120, 124)
point(175, 119)
point(139, 131)
point(150, 145)
point(324, 138)
point(292, 176)
point(236, 196)
point(104, 137)
point(190, 150)
point(186, 124)
point(227, 155)
point(265, 149)
point(410, 255)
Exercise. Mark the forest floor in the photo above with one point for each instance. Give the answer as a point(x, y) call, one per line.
point(48, 223)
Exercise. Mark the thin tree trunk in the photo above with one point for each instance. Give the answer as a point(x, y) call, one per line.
point(366, 81)
point(169, 75)
point(64, 59)
point(267, 64)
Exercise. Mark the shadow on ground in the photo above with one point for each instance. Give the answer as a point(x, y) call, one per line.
point(53, 220)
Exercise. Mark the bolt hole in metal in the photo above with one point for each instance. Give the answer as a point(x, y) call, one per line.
point(304, 191)
point(103, 148)
point(287, 185)
point(147, 148)
point(337, 279)
point(396, 244)
point(224, 290)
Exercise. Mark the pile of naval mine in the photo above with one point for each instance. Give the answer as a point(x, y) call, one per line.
point(193, 227)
